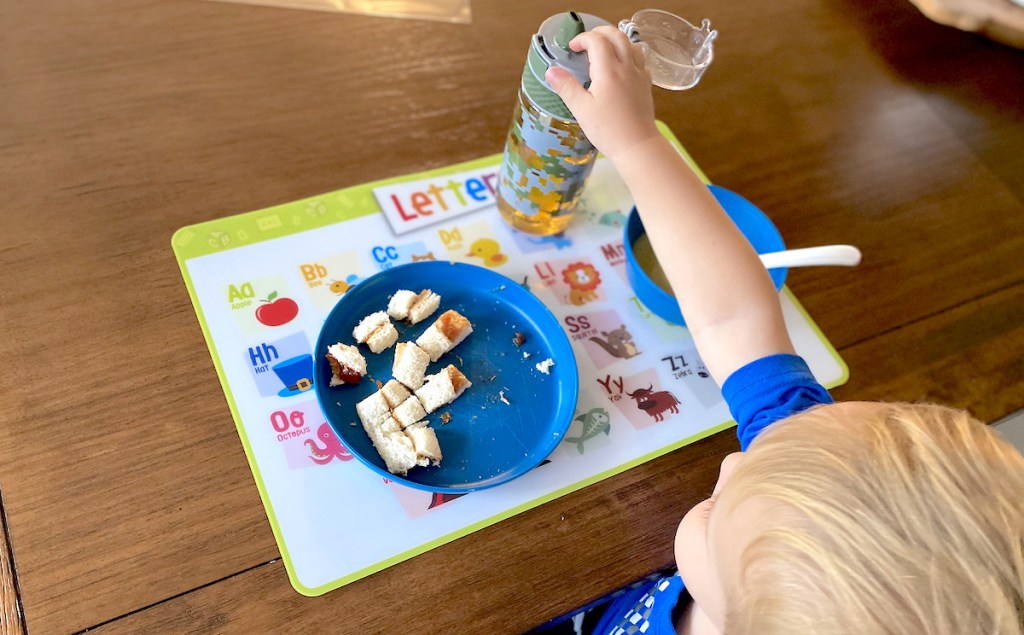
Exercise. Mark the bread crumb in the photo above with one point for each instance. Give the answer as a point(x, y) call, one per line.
point(518, 338)
point(526, 355)
point(445, 418)
point(545, 366)
point(501, 395)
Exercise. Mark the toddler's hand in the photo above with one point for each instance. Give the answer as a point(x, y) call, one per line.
point(617, 112)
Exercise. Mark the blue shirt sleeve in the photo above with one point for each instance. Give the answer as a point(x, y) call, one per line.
point(646, 609)
point(769, 389)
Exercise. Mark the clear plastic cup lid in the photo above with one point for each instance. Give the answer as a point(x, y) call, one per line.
point(677, 52)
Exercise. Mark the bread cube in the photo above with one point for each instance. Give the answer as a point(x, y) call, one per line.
point(347, 365)
point(410, 364)
point(442, 388)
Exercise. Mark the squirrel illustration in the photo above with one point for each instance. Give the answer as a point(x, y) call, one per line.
point(617, 343)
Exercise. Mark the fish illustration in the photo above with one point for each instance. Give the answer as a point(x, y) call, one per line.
point(594, 422)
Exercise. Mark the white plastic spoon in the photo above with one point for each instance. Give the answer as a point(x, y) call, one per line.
point(828, 255)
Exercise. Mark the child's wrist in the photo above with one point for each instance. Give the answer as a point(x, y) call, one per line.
point(639, 152)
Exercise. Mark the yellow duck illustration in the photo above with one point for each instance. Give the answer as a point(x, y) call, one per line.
point(489, 251)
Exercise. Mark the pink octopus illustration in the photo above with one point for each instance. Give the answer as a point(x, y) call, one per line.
point(332, 447)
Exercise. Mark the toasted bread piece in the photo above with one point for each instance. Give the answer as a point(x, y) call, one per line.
point(424, 441)
point(398, 452)
point(425, 304)
point(390, 426)
point(413, 307)
point(447, 332)
point(373, 410)
point(433, 343)
point(368, 325)
point(409, 411)
point(376, 331)
point(347, 365)
point(382, 338)
point(442, 388)
point(400, 303)
point(394, 393)
point(395, 447)
point(410, 364)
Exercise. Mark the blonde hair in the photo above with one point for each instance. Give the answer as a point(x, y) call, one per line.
point(885, 518)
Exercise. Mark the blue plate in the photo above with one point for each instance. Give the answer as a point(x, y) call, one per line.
point(764, 237)
point(486, 442)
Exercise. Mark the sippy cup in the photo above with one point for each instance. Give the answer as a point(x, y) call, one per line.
point(547, 157)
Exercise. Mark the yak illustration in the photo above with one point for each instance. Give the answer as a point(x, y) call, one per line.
point(655, 403)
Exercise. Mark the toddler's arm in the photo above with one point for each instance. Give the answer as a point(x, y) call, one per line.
point(729, 302)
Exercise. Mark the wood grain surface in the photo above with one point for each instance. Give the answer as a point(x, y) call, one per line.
point(11, 622)
point(128, 501)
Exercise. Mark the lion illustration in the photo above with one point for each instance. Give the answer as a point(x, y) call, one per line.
point(582, 279)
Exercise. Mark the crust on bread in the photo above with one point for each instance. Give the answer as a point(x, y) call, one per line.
point(442, 388)
point(447, 332)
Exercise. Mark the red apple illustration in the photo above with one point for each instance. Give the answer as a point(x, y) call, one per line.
point(276, 311)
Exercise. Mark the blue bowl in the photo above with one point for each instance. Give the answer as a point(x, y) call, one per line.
point(755, 225)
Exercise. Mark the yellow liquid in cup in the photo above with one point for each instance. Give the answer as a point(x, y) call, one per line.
point(542, 223)
point(547, 161)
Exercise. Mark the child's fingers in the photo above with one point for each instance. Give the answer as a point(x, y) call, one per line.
point(599, 49)
point(568, 88)
point(620, 43)
point(639, 58)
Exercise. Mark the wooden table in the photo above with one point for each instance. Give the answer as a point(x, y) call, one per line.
point(127, 502)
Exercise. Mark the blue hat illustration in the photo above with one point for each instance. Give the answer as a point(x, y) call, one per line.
point(296, 374)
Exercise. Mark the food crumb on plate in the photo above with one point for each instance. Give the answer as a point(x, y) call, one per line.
point(445, 418)
point(526, 355)
point(545, 366)
point(501, 395)
point(518, 338)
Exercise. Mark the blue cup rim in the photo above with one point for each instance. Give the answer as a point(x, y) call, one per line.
point(755, 225)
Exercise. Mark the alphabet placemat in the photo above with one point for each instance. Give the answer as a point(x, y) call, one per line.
point(263, 282)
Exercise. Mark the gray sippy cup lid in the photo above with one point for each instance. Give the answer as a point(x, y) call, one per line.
point(550, 47)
